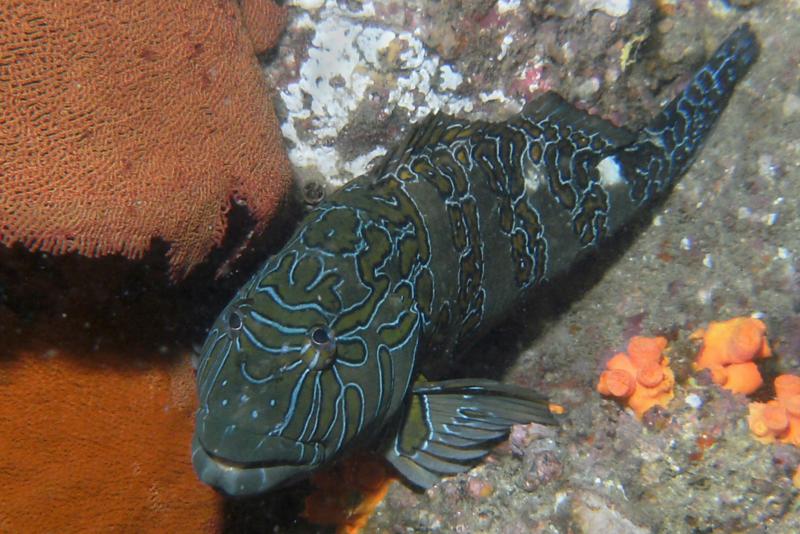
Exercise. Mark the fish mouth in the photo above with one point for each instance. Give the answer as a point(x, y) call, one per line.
point(242, 480)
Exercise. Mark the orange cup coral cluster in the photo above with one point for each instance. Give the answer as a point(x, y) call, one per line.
point(778, 419)
point(641, 378)
point(729, 350)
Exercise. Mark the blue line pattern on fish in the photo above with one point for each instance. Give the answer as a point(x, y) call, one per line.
point(323, 349)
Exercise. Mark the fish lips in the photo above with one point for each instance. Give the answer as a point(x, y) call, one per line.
point(239, 480)
point(240, 461)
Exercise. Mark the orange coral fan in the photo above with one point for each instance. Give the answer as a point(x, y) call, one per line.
point(346, 495)
point(642, 377)
point(99, 446)
point(126, 121)
point(778, 419)
point(728, 351)
point(265, 21)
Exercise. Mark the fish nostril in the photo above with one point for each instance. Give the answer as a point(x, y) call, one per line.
point(320, 336)
point(234, 321)
point(321, 350)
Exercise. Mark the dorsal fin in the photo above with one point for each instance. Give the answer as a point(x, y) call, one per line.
point(435, 128)
point(549, 107)
point(553, 108)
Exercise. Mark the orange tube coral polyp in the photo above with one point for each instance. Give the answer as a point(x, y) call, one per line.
point(775, 419)
point(756, 422)
point(646, 349)
point(650, 375)
point(778, 419)
point(749, 340)
point(792, 405)
point(641, 378)
point(616, 383)
point(769, 422)
point(728, 351)
point(787, 385)
point(742, 378)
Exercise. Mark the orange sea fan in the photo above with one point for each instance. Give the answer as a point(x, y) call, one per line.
point(125, 121)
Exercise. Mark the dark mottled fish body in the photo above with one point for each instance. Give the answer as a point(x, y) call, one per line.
point(322, 349)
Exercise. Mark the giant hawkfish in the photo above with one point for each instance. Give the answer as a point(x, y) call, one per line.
point(325, 348)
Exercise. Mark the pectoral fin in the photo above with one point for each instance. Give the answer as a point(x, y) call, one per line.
point(452, 424)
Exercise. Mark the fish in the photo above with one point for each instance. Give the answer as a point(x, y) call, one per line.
point(325, 349)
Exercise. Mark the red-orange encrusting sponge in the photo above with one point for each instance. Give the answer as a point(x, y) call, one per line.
point(346, 495)
point(778, 419)
point(641, 378)
point(728, 351)
point(122, 122)
point(99, 443)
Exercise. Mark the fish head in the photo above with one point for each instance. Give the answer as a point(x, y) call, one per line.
point(314, 354)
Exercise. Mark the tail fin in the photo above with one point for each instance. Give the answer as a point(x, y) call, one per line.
point(668, 145)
